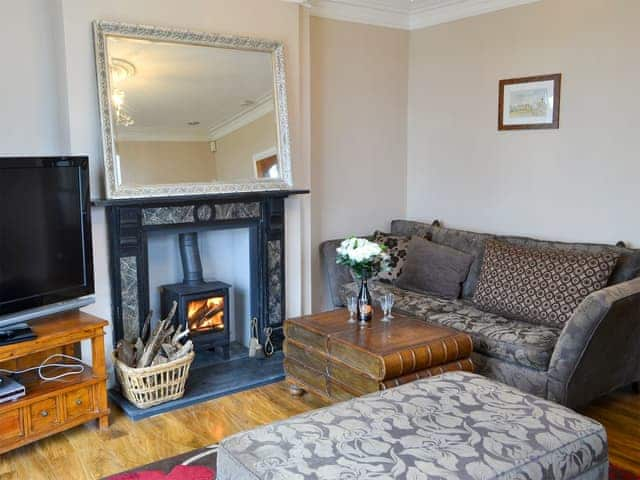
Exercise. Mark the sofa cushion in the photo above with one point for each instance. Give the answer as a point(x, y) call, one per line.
point(542, 286)
point(517, 342)
point(435, 269)
point(469, 242)
point(627, 268)
point(453, 426)
point(397, 252)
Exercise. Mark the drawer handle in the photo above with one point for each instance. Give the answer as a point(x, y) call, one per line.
point(78, 401)
point(44, 413)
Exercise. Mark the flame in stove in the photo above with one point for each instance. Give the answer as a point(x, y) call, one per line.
point(206, 314)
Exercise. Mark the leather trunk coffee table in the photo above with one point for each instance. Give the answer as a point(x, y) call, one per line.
point(337, 360)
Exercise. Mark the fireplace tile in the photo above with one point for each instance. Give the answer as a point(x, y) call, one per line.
point(274, 262)
point(129, 285)
point(168, 215)
point(230, 211)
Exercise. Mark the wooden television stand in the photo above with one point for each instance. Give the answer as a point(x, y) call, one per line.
point(54, 406)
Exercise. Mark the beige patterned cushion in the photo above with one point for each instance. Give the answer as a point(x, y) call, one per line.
point(539, 285)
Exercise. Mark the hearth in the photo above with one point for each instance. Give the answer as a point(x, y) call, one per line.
point(202, 306)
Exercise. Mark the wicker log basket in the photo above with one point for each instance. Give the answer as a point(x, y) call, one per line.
point(149, 386)
point(154, 369)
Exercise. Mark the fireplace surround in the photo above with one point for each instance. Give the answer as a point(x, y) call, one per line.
point(130, 222)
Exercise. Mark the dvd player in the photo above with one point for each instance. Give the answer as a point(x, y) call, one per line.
point(10, 390)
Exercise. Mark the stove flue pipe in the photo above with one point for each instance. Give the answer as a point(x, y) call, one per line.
point(190, 254)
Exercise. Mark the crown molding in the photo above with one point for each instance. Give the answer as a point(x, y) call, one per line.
point(420, 15)
point(135, 133)
point(262, 107)
point(435, 15)
point(159, 134)
point(361, 11)
point(304, 3)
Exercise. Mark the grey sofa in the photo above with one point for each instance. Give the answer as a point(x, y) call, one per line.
point(597, 350)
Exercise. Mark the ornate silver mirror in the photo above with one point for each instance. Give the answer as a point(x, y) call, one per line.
point(186, 113)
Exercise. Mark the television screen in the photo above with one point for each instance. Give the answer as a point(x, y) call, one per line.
point(45, 236)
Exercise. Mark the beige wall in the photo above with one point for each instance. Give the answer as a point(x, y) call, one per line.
point(152, 162)
point(235, 151)
point(33, 113)
point(576, 183)
point(359, 131)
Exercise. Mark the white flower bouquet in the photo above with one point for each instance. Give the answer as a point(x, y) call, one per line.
point(364, 257)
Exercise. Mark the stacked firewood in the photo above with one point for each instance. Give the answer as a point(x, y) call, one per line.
point(164, 344)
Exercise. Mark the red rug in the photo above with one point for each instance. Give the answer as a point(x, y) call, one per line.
point(197, 465)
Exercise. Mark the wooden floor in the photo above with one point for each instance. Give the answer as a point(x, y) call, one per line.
point(85, 453)
point(620, 415)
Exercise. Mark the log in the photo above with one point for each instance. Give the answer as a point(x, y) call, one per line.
point(172, 312)
point(214, 311)
point(200, 312)
point(139, 346)
point(146, 327)
point(157, 339)
point(151, 348)
point(208, 314)
point(180, 334)
point(159, 360)
point(169, 349)
point(182, 351)
point(125, 353)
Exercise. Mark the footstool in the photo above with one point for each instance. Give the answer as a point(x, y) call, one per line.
point(455, 426)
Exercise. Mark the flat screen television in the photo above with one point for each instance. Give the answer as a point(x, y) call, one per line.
point(45, 234)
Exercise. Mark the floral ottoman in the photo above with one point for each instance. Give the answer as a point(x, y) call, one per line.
point(456, 425)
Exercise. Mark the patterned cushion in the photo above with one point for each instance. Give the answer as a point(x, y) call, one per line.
point(454, 426)
point(397, 251)
point(517, 342)
point(539, 285)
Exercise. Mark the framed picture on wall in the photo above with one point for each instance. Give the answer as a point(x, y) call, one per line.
point(529, 103)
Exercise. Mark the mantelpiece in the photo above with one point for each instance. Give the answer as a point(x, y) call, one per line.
point(131, 220)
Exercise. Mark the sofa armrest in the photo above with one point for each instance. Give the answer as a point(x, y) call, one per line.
point(599, 347)
point(335, 275)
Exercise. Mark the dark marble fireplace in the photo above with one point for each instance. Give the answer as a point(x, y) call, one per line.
point(131, 221)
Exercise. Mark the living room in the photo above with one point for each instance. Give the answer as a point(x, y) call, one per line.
point(391, 116)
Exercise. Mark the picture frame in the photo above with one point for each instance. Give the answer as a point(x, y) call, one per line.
point(530, 103)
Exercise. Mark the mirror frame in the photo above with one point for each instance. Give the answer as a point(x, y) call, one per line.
point(102, 29)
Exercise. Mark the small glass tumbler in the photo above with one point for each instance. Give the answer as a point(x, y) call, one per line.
point(352, 305)
point(390, 300)
point(384, 305)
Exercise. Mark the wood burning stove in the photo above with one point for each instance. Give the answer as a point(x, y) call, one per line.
point(202, 306)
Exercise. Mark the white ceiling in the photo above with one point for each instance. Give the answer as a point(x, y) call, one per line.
point(175, 84)
point(405, 14)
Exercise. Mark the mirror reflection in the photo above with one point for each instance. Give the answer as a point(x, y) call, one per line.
point(186, 113)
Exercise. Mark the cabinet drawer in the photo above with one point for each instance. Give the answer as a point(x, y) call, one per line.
point(44, 414)
point(79, 402)
point(11, 426)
